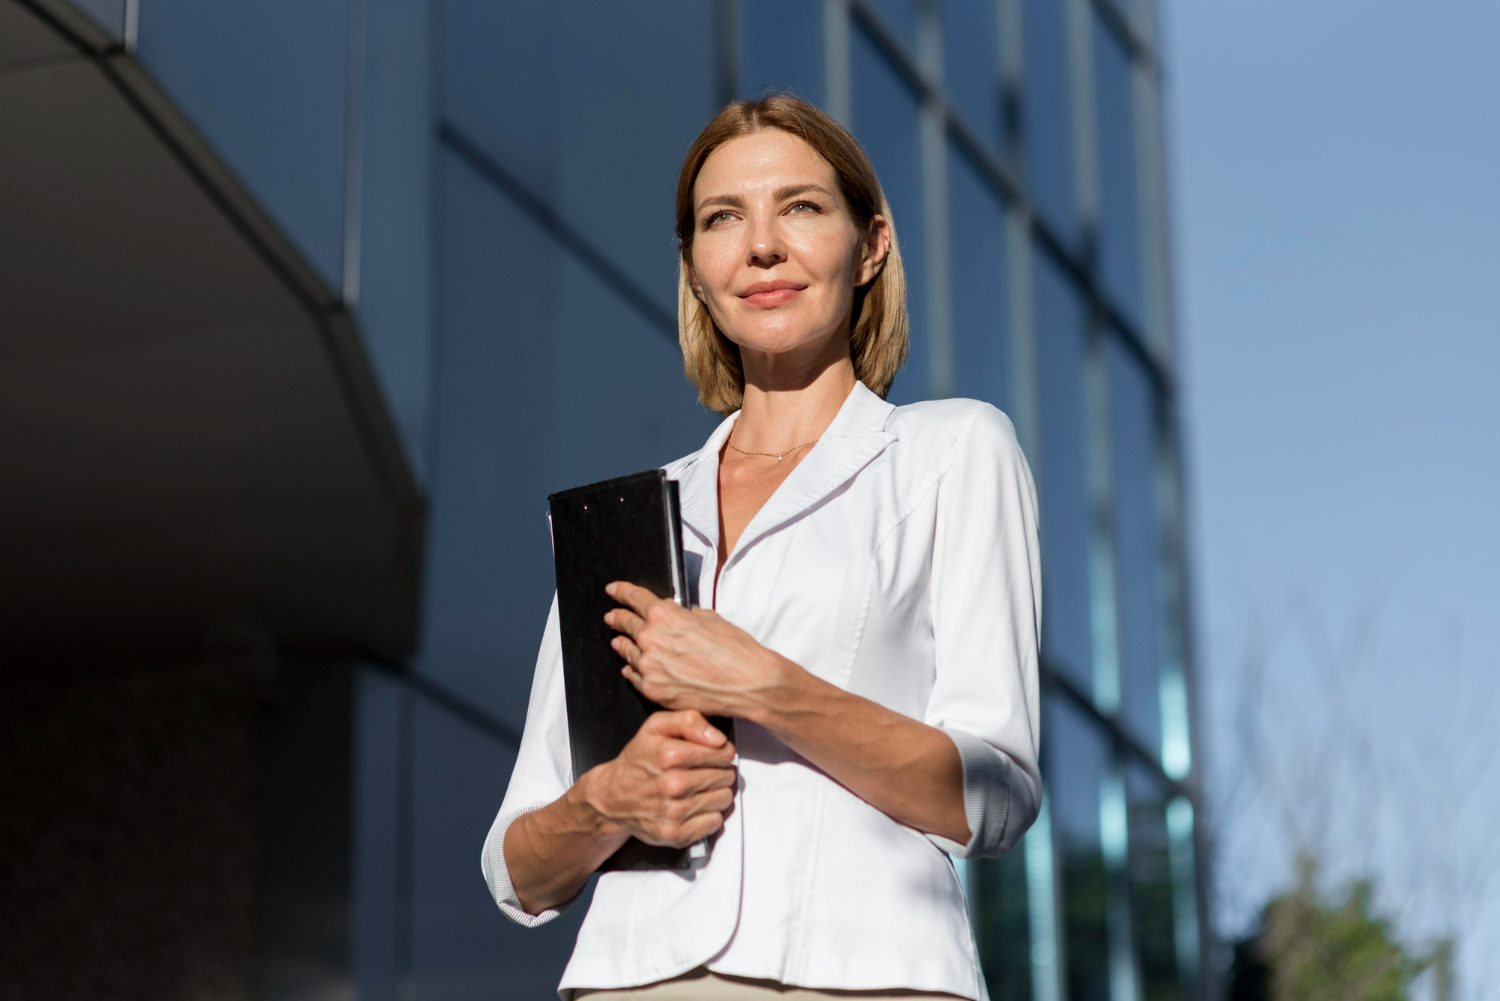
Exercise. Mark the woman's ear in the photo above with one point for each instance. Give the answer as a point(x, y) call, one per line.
point(873, 251)
point(692, 277)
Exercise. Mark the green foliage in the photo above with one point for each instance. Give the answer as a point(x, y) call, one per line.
point(1311, 947)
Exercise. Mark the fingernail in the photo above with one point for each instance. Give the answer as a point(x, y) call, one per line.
point(609, 589)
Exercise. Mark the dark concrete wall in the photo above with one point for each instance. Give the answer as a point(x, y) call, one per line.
point(177, 830)
point(301, 929)
point(126, 830)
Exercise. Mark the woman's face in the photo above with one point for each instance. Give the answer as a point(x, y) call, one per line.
point(776, 255)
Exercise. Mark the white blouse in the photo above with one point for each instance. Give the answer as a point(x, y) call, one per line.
point(899, 561)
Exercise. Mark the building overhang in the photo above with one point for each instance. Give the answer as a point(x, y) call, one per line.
point(192, 442)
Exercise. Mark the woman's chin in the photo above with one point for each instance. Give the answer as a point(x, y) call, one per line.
point(783, 340)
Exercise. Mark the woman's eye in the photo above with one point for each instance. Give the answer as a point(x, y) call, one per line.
point(713, 220)
point(803, 208)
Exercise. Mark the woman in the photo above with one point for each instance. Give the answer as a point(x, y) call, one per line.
point(870, 577)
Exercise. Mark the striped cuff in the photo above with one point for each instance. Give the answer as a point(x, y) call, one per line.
point(986, 797)
point(498, 877)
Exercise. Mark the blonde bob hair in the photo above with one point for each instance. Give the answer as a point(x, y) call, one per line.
point(878, 335)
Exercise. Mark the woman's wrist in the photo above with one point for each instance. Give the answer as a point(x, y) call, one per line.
point(785, 700)
point(589, 807)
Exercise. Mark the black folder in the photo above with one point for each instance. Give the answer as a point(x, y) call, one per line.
point(622, 529)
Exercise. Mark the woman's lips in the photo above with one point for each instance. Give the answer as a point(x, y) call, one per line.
point(774, 298)
point(767, 295)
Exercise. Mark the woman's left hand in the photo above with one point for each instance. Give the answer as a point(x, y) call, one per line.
point(683, 658)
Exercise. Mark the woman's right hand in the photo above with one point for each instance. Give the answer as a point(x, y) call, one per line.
point(671, 785)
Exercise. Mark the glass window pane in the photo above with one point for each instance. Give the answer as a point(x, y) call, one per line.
point(1138, 550)
point(395, 256)
point(783, 47)
point(885, 122)
point(266, 84)
point(577, 76)
point(489, 564)
point(616, 373)
point(981, 338)
point(529, 338)
point(1120, 226)
point(1048, 110)
point(461, 945)
point(1002, 923)
point(1151, 885)
point(1063, 474)
point(971, 67)
point(1078, 754)
point(901, 17)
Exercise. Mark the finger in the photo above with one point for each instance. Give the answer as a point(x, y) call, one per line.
point(675, 754)
point(686, 724)
point(633, 676)
point(704, 825)
point(684, 783)
point(625, 647)
point(713, 801)
point(625, 621)
point(680, 834)
point(721, 800)
point(633, 596)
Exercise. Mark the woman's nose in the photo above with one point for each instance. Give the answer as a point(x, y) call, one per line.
point(765, 243)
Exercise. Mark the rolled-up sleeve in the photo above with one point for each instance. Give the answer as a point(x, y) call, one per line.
point(986, 613)
point(543, 772)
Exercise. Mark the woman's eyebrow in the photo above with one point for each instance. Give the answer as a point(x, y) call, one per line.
point(792, 191)
point(732, 201)
point(780, 194)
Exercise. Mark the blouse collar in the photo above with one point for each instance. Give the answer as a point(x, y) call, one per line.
point(854, 438)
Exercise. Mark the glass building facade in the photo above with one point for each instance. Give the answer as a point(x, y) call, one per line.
point(485, 189)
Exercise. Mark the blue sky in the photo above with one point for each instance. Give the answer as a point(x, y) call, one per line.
point(1337, 243)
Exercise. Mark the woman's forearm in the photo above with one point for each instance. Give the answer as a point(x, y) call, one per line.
point(906, 769)
point(679, 657)
point(669, 786)
point(550, 853)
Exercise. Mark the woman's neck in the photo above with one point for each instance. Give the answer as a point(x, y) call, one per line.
point(787, 403)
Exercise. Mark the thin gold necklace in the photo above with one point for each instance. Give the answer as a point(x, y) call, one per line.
point(779, 455)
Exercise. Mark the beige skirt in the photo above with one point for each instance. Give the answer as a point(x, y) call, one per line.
point(701, 985)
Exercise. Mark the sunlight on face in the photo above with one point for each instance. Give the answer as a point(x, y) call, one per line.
point(776, 255)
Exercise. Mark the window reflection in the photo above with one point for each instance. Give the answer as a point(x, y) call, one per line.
point(1078, 753)
point(981, 342)
point(1151, 886)
point(1002, 923)
point(529, 339)
point(1120, 225)
point(782, 41)
point(885, 122)
point(1180, 824)
point(461, 946)
point(1138, 551)
point(1048, 110)
point(1063, 474)
point(575, 76)
point(489, 565)
point(491, 49)
point(971, 67)
point(901, 17)
point(268, 91)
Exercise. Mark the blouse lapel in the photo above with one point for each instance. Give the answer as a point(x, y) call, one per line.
point(698, 486)
point(856, 436)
